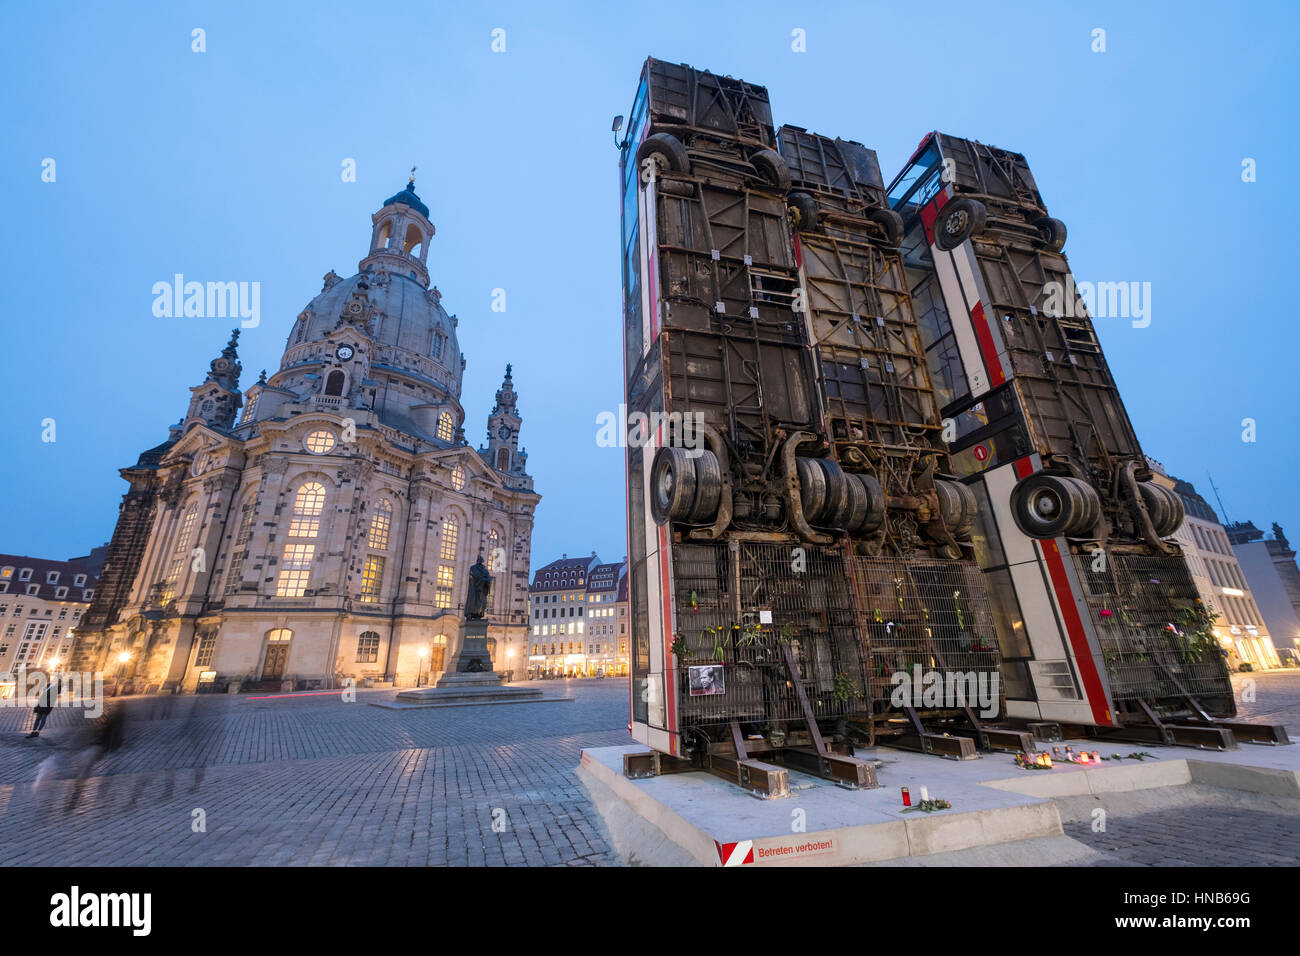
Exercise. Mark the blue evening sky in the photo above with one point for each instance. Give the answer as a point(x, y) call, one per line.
point(225, 165)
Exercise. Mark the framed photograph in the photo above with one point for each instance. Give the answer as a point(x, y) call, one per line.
point(707, 679)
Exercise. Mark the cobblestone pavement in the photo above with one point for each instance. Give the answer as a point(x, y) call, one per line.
point(315, 780)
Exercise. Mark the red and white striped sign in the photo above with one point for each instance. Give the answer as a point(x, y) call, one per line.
point(735, 854)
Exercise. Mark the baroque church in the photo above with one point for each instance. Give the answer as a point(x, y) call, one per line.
point(321, 525)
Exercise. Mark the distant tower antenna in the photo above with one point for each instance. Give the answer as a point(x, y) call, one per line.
point(1222, 510)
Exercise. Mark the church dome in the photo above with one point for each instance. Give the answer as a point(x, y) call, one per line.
point(405, 316)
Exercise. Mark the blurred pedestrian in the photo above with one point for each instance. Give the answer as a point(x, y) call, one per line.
point(44, 704)
point(106, 735)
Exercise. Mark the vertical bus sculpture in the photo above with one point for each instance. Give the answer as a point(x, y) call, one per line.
point(1100, 622)
point(784, 562)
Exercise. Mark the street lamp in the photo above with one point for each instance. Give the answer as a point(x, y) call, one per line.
point(122, 658)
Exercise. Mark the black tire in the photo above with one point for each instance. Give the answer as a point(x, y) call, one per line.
point(1047, 506)
point(772, 168)
point(836, 513)
point(668, 151)
point(959, 220)
point(1178, 512)
point(859, 505)
point(1090, 507)
point(672, 485)
point(708, 488)
point(1053, 233)
point(812, 488)
point(803, 211)
point(1157, 505)
point(891, 222)
point(957, 506)
point(876, 504)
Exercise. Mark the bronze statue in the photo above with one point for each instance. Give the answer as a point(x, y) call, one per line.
point(480, 582)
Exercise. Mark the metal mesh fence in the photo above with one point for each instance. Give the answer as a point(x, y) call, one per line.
point(850, 624)
point(1152, 631)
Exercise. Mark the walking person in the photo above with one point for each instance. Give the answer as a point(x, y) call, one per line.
point(44, 704)
point(106, 735)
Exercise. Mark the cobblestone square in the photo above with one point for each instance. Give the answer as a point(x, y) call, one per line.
point(312, 780)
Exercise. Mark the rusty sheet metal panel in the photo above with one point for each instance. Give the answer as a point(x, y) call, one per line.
point(683, 96)
point(1062, 374)
point(1145, 610)
point(744, 386)
point(841, 166)
point(975, 167)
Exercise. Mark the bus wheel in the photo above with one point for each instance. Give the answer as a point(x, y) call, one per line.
point(1091, 511)
point(876, 504)
point(837, 494)
point(1165, 508)
point(959, 220)
point(957, 506)
point(891, 222)
point(667, 151)
point(772, 168)
point(1047, 506)
point(672, 485)
point(803, 210)
point(812, 488)
point(1053, 233)
point(708, 487)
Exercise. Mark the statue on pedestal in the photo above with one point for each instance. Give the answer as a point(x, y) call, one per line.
point(480, 583)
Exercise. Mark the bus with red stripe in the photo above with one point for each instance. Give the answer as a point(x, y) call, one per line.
point(1098, 618)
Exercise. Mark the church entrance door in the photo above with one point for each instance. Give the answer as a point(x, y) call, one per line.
point(276, 655)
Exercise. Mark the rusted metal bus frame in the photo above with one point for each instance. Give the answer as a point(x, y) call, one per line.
point(1099, 620)
point(756, 594)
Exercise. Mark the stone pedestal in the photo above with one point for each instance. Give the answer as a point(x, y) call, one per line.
point(469, 677)
point(472, 665)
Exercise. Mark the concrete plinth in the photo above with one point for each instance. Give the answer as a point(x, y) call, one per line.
point(1000, 814)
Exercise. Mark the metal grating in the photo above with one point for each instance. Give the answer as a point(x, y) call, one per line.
point(1144, 609)
point(850, 627)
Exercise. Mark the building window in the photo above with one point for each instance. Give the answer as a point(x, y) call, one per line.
point(458, 477)
point(295, 570)
point(280, 634)
point(372, 576)
point(187, 527)
point(33, 589)
point(445, 426)
point(207, 647)
point(51, 577)
point(380, 522)
point(25, 574)
point(250, 408)
point(307, 506)
point(79, 581)
point(240, 548)
point(368, 648)
point(173, 575)
point(450, 535)
point(61, 593)
point(6, 573)
point(437, 345)
point(446, 587)
point(319, 441)
point(495, 554)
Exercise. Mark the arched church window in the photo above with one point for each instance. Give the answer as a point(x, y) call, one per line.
point(307, 507)
point(445, 426)
point(251, 407)
point(495, 554)
point(450, 537)
point(458, 478)
point(385, 234)
point(380, 523)
point(334, 384)
point(503, 459)
point(436, 349)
